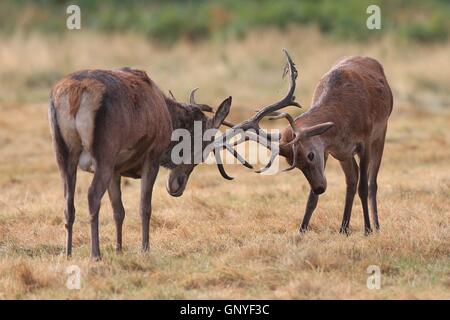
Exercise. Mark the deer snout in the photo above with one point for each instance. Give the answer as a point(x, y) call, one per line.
point(319, 186)
point(176, 184)
point(317, 181)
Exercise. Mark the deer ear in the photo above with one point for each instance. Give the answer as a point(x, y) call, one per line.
point(222, 112)
point(317, 129)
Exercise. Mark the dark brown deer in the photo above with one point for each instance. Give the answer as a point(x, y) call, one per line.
point(348, 116)
point(118, 123)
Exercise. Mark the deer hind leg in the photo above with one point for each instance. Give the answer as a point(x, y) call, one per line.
point(68, 170)
point(374, 166)
point(311, 205)
point(70, 180)
point(102, 177)
point(350, 169)
point(115, 197)
point(363, 186)
point(67, 155)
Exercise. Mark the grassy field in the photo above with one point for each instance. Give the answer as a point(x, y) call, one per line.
point(224, 239)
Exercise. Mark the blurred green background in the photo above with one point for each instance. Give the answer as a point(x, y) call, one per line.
point(238, 41)
point(168, 21)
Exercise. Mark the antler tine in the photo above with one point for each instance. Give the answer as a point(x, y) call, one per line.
point(192, 96)
point(289, 98)
point(294, 160)
point(273, 155)
point(220, 165)
point(228, 124)
point(244, 138)
point(223, 172)
point(237, 156)
point(252, 136)
point(172, 96)
point(218, 158)
point(279, 115)
point(224, 145)
point(294, 141)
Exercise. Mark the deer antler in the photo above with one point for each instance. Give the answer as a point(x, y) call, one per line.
point(192, 96)
point(172, 96)
point(270, 110)
point(228, 124)
point(288, 100)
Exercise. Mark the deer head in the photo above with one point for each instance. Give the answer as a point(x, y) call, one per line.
point(304, 149)
point(179, 174)
point(301, 147)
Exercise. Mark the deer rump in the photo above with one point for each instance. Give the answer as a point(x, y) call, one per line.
point(90, 102)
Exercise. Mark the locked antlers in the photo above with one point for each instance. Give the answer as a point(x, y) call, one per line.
point(250, 129)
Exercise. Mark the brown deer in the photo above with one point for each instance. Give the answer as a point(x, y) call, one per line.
point(119, 123)
point(348, 116)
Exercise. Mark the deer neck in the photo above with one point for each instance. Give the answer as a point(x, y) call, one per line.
point(182, 115)
point(320, 113)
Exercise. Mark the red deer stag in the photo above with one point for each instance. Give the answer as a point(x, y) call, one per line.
point(118, 123)
point(349, 115)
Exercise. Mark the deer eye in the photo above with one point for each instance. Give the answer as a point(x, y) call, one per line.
point(311, 156)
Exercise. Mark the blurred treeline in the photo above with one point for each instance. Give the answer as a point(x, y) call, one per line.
point(168, 21)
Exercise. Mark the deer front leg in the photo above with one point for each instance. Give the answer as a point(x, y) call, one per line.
point(350, 169)
point(310, 207)
point(311, 204)
point(376, 154)
point(149, 174)
point(115, 197)
point(363, 188)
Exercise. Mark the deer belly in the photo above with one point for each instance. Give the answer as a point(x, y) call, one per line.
point(125, 160)
point(131, 159)
point(128, 159)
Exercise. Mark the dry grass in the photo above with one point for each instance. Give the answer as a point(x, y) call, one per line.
point(228, 239)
